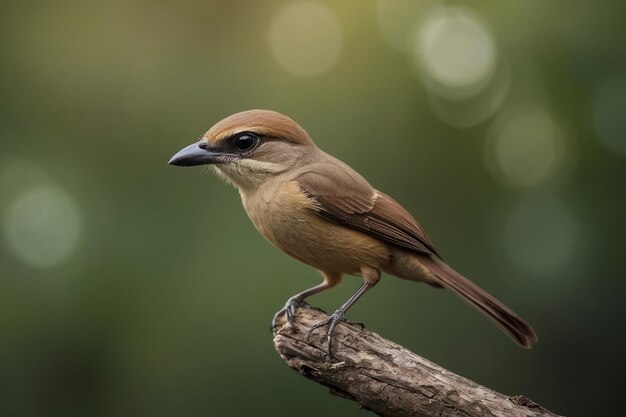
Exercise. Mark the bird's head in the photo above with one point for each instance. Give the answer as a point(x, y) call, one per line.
point(250, 147)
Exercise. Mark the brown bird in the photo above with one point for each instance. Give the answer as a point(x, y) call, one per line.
point(320, 211)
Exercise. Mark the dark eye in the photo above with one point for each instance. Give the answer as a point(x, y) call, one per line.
point(246, 141)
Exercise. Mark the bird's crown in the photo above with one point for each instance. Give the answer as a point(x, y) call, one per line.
point(266, 123)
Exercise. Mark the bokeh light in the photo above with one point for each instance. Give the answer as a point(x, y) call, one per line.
point(474, 109)
point(455, 51)
point(472, 115)
point(525, 147)
point(42, 226)
point(305, 39)
point(609, 103)
point(542, 235)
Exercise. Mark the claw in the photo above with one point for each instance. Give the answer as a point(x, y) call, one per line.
point(317, 326)
point(290, 309)
point(275, 319)
point(332, 322)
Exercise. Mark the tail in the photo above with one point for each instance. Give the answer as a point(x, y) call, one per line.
point(505, 318)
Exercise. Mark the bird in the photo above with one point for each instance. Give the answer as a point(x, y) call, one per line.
point(320, 211)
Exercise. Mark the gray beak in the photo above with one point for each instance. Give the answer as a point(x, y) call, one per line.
point(194, 155)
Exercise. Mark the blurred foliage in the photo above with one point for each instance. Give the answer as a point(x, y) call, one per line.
point(162, 306)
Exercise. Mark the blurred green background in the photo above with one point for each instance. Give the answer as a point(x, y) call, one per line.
point(129, 287)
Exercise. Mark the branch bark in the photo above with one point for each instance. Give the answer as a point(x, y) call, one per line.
point(386, 378)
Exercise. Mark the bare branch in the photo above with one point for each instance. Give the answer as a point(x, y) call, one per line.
point(388, 379)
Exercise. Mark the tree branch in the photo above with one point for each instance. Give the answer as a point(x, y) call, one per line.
point(386, 378)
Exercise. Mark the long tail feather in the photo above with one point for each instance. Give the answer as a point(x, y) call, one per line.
point(505, 318)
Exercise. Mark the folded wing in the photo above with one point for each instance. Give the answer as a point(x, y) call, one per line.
point(347, 198)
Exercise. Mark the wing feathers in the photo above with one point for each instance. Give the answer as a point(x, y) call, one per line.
point(346, 198)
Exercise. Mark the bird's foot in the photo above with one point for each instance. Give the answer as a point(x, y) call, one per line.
point(332, 321)
point(290, 308)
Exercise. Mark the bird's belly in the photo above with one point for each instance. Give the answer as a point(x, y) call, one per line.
point(289, 222)
point(330, 247)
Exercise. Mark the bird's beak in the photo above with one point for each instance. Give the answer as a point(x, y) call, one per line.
point(194, 155)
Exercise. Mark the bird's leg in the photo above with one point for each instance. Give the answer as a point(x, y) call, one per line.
point(296, 301)
point(337, 316)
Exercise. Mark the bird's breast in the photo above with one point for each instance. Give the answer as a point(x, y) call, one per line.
point(287, 217)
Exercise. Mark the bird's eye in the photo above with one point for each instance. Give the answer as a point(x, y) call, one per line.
point(246, 141)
